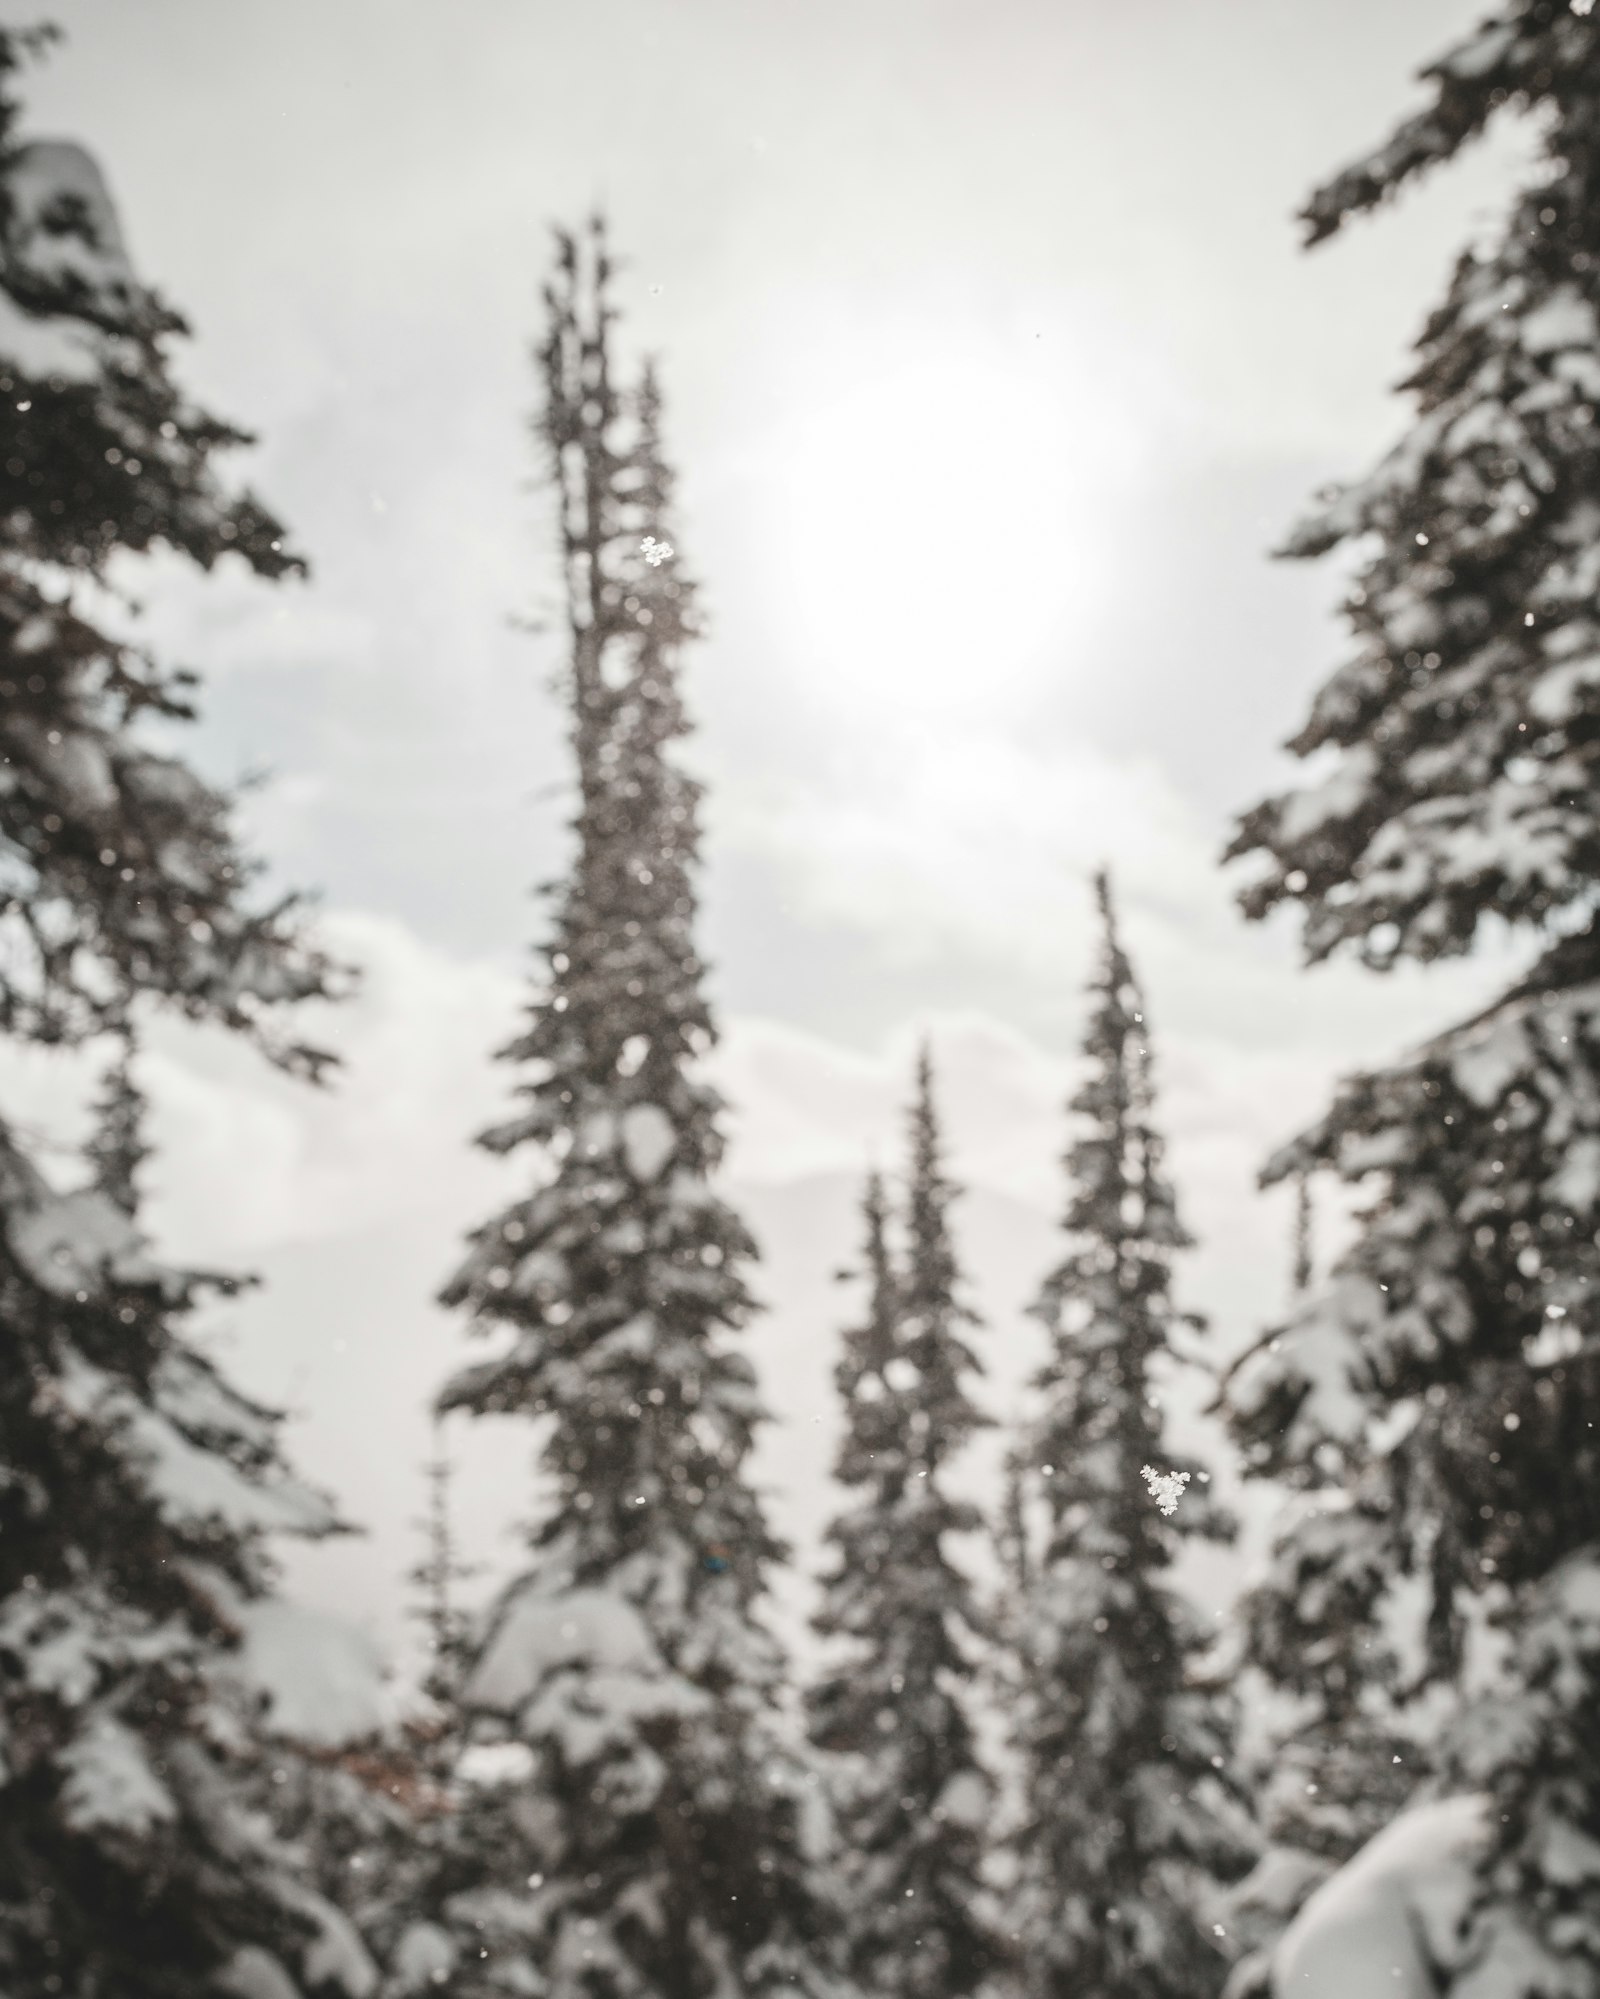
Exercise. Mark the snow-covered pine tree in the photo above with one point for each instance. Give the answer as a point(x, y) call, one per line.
point(1345, 1764)
point(1440, 1392)
point(137, 1488)
point(1127, 1820)
point(870, 1455)
point(915, 1798)
point(1336, 1763)
point(137, 1495)
point(654, 1848)
point(120, 873)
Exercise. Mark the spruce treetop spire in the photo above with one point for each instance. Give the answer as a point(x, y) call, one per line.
point(654, 1851)
point(436, 1577)
point(912, 1793)
point(117, 1147)
point(1121, 1744)
point(1120, 1194)
point(869, 1348)
point(933, 1307)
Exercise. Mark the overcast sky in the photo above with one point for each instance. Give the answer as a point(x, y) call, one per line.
point(993, 372)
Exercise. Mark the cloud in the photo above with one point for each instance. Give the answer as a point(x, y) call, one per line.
point(977, 847)
point(233, 620)
point(973, 838)
point(249, 1162)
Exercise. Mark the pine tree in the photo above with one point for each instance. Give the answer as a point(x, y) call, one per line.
point(436, 1578)
point(117, 1147)
point(1345, 1764)
point(917, 1798)
point(138, 1490)
point(390, 1812)
point(871, 1455)
point(1338, 1762)
point(1123, 1747)
point(121, 873)
point(1304, 1266)
point(1439, 1393)
point(655, 1845)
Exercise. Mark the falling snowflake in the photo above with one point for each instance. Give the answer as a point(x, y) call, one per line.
point(1166, 1487)
point(656, 552)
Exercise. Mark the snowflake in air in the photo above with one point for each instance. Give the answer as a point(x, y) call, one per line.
point(656, 552)
point(1166, 1487)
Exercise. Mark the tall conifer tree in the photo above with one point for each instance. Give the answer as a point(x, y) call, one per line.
point(1126, 1819)
point(438, 1608)
point(138, 1489)
point(118, 1148)
point(655, 1846)
point(120, 872)
point(916, 1799)
point(1439, 1394)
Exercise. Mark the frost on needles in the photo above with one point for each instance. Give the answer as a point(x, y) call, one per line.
point(1436, 1397)
point(655, 1844)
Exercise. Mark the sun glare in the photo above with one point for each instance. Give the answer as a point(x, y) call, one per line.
point(940, 532)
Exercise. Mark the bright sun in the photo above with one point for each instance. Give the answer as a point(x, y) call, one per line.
point(942, 531)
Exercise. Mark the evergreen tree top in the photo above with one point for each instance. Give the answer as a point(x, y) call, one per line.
point(904, 1367)
point(119, 871)
point(914, 1794)
point(1108, 1304)
point(1459, 778)
point(117, 1147)
point(872, 1463)
point(1123, 1747)
point(612, 1096)
point(436, 1577)
point(864, 1373)
point(933, 1309)
point(1121, 1218)
point(657, 1846)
